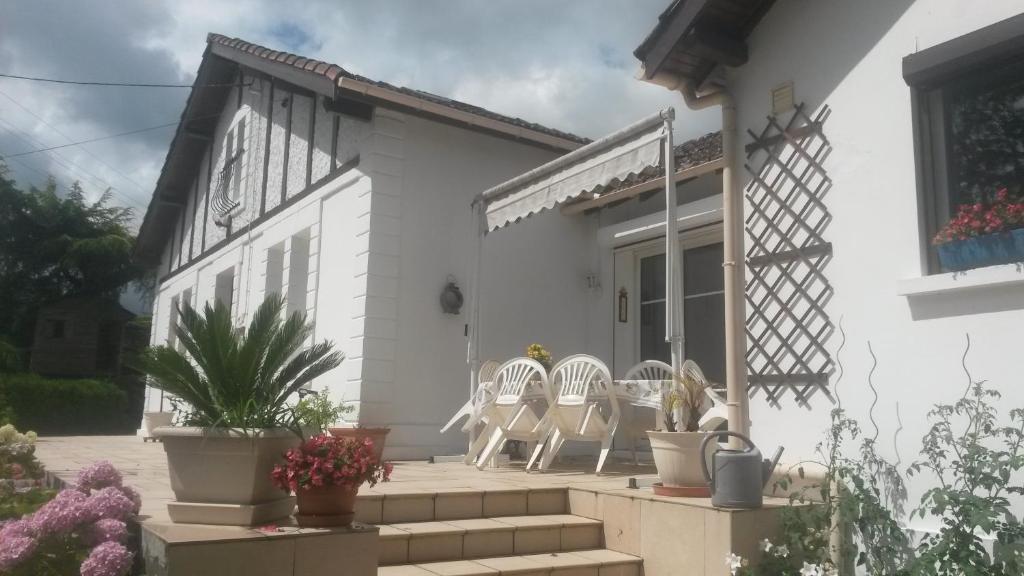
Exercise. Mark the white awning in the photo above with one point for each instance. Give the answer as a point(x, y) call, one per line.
point(614, 157)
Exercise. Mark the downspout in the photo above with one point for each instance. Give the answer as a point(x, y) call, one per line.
point(733, 263)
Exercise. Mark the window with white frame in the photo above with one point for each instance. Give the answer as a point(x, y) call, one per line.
point(967, 97)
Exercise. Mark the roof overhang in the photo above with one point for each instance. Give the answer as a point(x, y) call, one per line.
point(185, 154)
point(694, 37)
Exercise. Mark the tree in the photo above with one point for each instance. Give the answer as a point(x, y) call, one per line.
point(56, 246)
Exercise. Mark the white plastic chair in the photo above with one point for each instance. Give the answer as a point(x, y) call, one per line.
point(636, 427)
point(572, 416)
point(473, 408)
point(509, 416)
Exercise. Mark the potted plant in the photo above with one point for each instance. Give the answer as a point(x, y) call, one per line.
point(676, 449)
point(377, 435)
point(316, 412)
point(236, 384)
point(540, 354)
point(983, 234)
point(325, 473)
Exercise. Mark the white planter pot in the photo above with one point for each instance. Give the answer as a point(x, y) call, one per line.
point(224, 466)
point(677, 457)
point(153, 420)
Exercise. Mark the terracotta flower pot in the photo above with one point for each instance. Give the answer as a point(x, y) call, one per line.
point(377, 435)
point(321, 506)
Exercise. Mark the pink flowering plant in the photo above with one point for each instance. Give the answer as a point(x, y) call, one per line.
point(83, 530)
point(1004, 214)
point(329, 461)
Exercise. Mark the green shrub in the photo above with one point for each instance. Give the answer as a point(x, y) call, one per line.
point(51, 406)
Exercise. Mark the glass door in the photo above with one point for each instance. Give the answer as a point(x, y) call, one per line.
point(703, 307)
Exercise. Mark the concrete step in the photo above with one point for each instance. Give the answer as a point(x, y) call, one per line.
point(435, 541)
point(391, 504)
point(579, 563)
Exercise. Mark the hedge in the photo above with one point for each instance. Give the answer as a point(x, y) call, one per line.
point(52, 406)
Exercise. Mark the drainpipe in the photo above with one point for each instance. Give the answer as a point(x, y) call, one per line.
point(732, 264)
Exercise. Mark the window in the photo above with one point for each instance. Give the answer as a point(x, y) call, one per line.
point(55, 328)
point(275, 270)
point(230, 187)
point(968, 112)
point(298, 273)
point(224, 288)
point(172, 321)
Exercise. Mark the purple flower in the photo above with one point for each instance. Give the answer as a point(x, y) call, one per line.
point(134, 496)
point(17, 529)
point(100, 475)
point(14, 551)
point(106, 530)
point(62, 514)
point(107, 559)
point(110, 502)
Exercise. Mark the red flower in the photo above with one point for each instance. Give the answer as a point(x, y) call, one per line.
point(972, 220)
point(329, 461)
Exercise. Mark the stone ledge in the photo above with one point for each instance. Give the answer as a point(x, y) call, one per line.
point(189, 549)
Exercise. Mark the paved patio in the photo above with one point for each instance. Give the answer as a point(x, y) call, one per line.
point(144, 466)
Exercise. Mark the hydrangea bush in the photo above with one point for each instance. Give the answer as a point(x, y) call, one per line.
point(83, 530)
point(17, 455)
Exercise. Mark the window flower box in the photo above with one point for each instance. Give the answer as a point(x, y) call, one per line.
point(981, 251)
point(983, 234)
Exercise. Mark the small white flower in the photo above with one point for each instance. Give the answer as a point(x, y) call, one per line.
point(782, 551)
point(766, 545)
point(734, 563)
point(810, 570)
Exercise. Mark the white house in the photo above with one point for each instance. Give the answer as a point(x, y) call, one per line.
point(353, 198)
point(881, 143)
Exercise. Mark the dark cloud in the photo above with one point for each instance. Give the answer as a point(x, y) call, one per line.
point(566, 64)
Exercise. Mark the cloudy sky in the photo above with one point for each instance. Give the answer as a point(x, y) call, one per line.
point(566, 64)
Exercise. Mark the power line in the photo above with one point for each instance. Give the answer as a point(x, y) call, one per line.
point(119, 84)
point(67, 164)
point(69, 139)
point(80, 142)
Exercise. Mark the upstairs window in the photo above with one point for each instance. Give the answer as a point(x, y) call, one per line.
point(230, 190)
point(967, 96)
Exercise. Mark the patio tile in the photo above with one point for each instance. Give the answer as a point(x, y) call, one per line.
point(407, 570)
point(674, 538)
point(407, 508)
point(513, 565)
point(581, 537)
point(321, 555)
point(582, 503)
point(393, 545)
point(563, 560)
point(369, 508)
point(550, 501)
point(621, 517)
point(458, 568)
point(458, 505)
point(533, 540)
point(509, 502)
point(433, 547)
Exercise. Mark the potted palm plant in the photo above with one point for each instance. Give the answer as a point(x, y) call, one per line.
point(325, 473)
point(676, 449)
point(237, 384)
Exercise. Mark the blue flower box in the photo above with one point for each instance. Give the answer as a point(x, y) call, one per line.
point(989, 250)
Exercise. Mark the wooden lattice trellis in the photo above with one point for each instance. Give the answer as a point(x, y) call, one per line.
point(786, 288)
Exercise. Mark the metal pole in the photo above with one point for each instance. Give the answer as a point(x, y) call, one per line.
point(473, 347)
point(673, 281)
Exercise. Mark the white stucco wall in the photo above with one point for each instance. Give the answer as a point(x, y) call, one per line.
point(848, 55)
